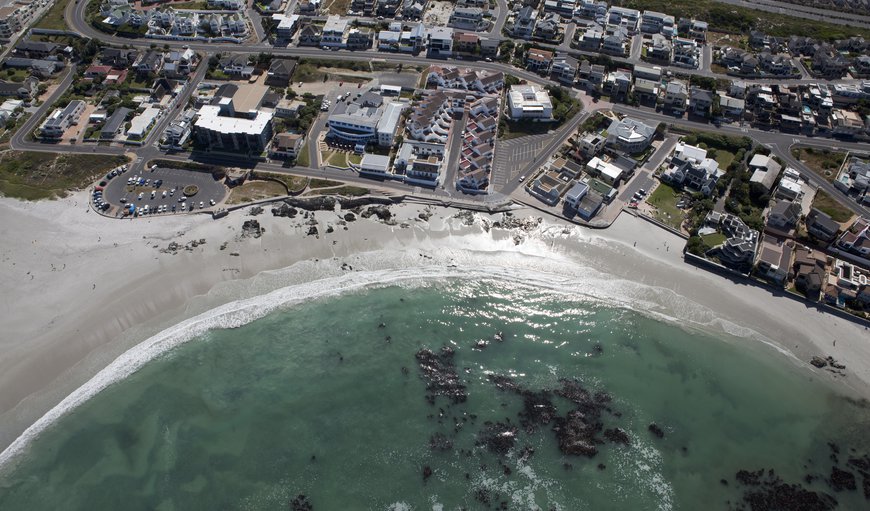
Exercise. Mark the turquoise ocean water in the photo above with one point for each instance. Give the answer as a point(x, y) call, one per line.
point(327, 399)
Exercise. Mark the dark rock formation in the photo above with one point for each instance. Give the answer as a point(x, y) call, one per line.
point(842, 480)
point(767, 492)
point(349, 217)
point(440, 443)
point(439, 373)
point(498, 437)
point(382, 212)
point(617, 436)
point(251, 229)
point(300, 503)
point(427, 472)
point(312, 231)
point(656, 430)
point(256, 210)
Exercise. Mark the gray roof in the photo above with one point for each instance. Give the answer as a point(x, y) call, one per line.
point(117, 118)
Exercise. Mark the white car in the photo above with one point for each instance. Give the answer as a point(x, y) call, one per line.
point(201, 204)
point(212, 202)
point(164, 194)
point(141, 194)
point(183, 206)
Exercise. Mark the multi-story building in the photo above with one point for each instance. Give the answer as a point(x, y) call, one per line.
point(61, 120)
point(367, 120)
point(529, 102)
point(657, 23)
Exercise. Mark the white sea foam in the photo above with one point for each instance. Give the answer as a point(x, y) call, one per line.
point(533, 265)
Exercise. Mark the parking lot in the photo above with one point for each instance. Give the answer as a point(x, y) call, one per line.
point(161, 191)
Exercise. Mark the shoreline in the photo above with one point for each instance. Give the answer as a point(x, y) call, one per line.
point(108, 289)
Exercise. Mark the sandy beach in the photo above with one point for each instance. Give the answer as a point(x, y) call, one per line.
point(79, 289)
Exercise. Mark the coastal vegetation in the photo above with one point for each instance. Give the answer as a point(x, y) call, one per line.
point(256, 190)
point(53, 17)
point(823, 162)
point(36, 175)
point(827, 204)
point(742, 20)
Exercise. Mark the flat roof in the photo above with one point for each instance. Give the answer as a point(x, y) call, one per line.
point(248, 97)
point(210, 120)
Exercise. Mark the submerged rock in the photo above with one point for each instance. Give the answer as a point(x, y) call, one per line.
point(617, 436)
point(440, 443)
point(842, 480)
point(439, 373)
point(498, 437)
point(768, 492)
point(301, 503)
point(656, 430)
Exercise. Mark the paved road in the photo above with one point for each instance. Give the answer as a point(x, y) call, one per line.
point(454, 148)
point(180, 102)
point(779, 143)
point(76, 19)
point(558, 138)
point(20, 141)
point(502, 11)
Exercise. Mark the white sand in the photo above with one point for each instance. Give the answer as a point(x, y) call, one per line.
point(79, 289)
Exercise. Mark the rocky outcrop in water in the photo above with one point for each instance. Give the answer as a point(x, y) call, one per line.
point(766, 491)
point(656, 430)
point(497, 437)
point(439, 373)
point(301, 503)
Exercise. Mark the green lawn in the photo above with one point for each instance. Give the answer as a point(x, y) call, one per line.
point(356, 159)
point(827, 204)
point(664, 198)
point(713, 240)
point(53, 18)
point(34, 176)
point(303, 159)
point(724, 158)
point(338, 159)
point(14, 75)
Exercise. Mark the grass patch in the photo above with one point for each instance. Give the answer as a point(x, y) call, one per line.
point(323, 183)
point(307, 72)
point(351, 191)
point(194, 6)
point(294, 184)
point(724, 158)
point(35, 176)
point(713, 240)
point(665, 198)
point(303, 159)
point(14, 75)
point(338, 159)
point(53, 17)
point(356, 159)
point(338, 7)
point(827, 204)
point(256, 190)
point(823, 162)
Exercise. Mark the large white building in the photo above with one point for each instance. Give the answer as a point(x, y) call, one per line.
point(224, 132)
point(529, 102)
point(367, 120)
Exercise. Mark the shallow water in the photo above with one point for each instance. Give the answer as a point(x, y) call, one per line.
point(326, 399)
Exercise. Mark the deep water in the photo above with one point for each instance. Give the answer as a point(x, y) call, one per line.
point(329, 400)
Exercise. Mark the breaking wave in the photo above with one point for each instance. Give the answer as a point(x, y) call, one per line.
point(535, 267)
